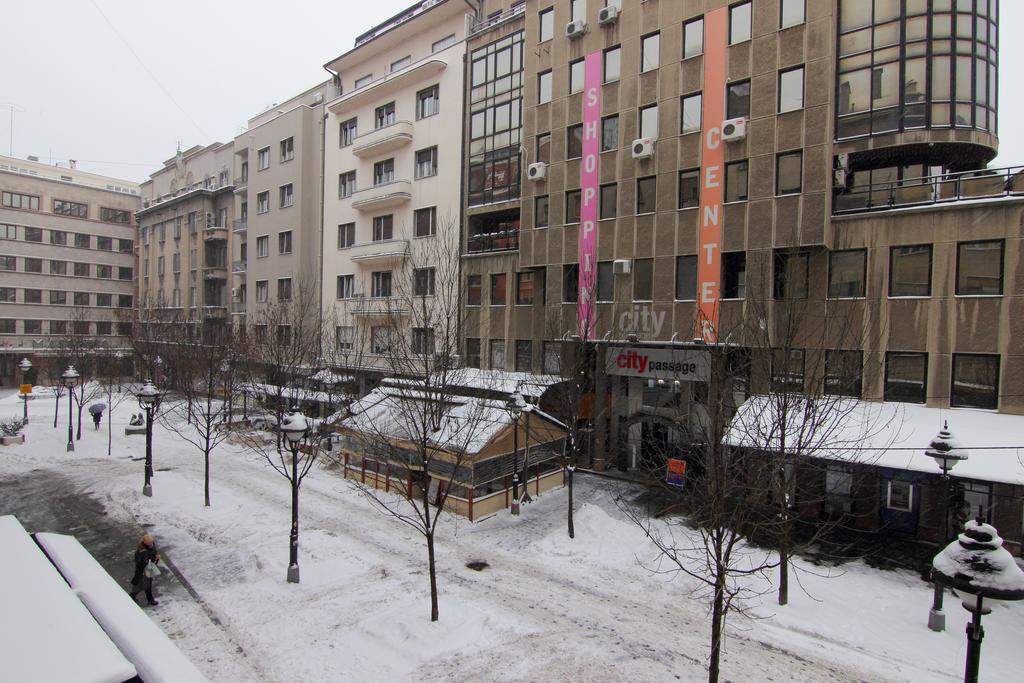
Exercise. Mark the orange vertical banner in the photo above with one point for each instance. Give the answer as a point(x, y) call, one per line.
point(712, 174)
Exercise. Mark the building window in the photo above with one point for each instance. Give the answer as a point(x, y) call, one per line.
point(60, 267)
point(9, 295)
point(979, 268)
point(346, 286)
point(474, 290)
point(524, 288)
point(66, 208)
point(262, 246)
point(33, 234)
point(262, 291)
point(570, 283)
point(106, 272)
point(14, 200)
point(605, 281)
point(524, 355)
point(791, 90)
point(788, 172)
point(33, 326)
point(346, 184)
point(192, 218)
point(384, 172)
point(612, 64)
point(552, 357)
point(362, 81)
point(788, 370)
point(790, 274)
point(32, 265)
point(107, 300)
point(497, 354)
point(423, 281)
point(422, 341)
point(58, 237)
point(544, 87)
point(736, 181)
point(574, 142)
point(650, 52)
point(737, 100)
point(425, 222)
point(847, 274)
point(572, 207)
point(105, 243)
point(686, 278)
point(546, 25)
point(975, 382)
point(499, 289)
point(576, 76)
point(643, 279)
point(691, 114)
point(540, 211)
point(347, 132)
point(646, 194)
point(263, 159)
point(82, 269)
point(439, 45)
point(125, 246)
point(384, 115)
point(428, 102)
point(58, 327)
point(609, 133)
point(284, 242)
point(791, 13)
point(124, 300)
point(608, 201)
point(8, 232)
point(346, 235)
point(649, 122)
point(426, 162)
point(343, 336)
point(11, 263)
point(689, 188)
point(906, 376)
point(383, 228)
point(544, 148)
point(734, 274)
point(380, 284)
point(287, 149)
point(693, 38)
point(472, 352)
point(262, 203)
point(58, 298)
point(400, 64)
point(739, 23)
point(910, 271)
point(900, 495)
point(284, 289)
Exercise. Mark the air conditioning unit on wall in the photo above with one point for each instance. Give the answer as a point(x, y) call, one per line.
point(643, 148)
point(537, 171)
point(608, 15)
point(734, 129)
point(622, 266)
point(575, 29)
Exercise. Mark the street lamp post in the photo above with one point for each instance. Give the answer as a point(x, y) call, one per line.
point(977, 566)
point(70, 377)
point(225, 369)
point(25, 366)
point(295, 427)
point(149, 399)
point(947, 452)
point(515, 405)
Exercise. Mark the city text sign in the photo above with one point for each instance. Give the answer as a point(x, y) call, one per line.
point(687, 365)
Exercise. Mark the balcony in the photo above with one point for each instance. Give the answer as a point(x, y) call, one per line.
point(241, 183)
point(380, 306)
point(238, 308)
point(418, 72)
point(238, 266)
point(382, 196)
point(383, 140)
point(215, 312)
point(215, 233)
point(493, 241)
point(373, 252)
point(986, 184)
point(239, 226)
point(215, 273)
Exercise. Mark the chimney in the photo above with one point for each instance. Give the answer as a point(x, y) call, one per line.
point(33, 158)
point(74, 164)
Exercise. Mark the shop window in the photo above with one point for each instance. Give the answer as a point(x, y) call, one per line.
point(900, 496)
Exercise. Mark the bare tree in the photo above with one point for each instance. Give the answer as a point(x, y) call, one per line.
point(111, 381)
point(82, 350)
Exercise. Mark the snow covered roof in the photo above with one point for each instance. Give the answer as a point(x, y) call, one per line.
point(893, 435)
point(325, 376)
point(291, 393)
point(46, 633)
point(499, 381)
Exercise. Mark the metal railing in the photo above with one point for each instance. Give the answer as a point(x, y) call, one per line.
point(928, 190)
point(507, 240)
point(494, 21)
point(238, 266)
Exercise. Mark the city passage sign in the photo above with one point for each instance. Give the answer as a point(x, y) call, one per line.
point(683, 364)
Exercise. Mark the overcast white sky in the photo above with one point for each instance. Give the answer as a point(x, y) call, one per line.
point(117, 83)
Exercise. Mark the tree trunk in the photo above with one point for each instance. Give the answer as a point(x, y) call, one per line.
point(717, 622)
point(783, 575)
point(570, 471)
point(433, 576)
point(206, 475)
point(110, 428)
point(78, 435)
point(56, 411)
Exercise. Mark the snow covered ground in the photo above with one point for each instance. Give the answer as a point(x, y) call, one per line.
point(547, 608)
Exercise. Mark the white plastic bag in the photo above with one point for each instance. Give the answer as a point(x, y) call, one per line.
point(151, 571)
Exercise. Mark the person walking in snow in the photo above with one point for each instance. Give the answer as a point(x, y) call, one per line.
point(142, 580)
point(96, 410)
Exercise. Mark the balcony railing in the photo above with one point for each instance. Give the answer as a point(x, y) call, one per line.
point(383, 140)
point(239, 225)
point(501, 18)
point(241, 182)
point(238, 308)
point(215, 233)
point(238, 266)
point(382, 196)
point(930, 190)
point(378, 306)
point(507, 240)
point(385, 250)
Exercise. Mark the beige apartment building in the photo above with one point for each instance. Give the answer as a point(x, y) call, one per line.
point(184, 234)
point(278, 161)
point(67, 260)
point(392, 179)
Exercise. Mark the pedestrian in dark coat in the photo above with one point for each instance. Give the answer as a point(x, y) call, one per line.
point(144, 554)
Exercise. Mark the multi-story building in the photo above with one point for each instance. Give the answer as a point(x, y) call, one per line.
point(392, 178)
point(67, 260)
point(688, 165)
point(184, 234)
point(278, 189)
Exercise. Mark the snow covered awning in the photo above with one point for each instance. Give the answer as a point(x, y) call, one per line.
point(891, 435)
point(497, 381)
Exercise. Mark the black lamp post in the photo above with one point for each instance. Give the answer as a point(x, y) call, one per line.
point(25, 366)
point(295, 427)
point(149, 400)
point(515, 406)
point(977, 566)
point(946, 452)
point(70, 377)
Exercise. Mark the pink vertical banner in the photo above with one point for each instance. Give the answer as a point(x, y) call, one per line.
point(586, 312)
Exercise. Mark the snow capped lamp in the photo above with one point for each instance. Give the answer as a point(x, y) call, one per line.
point(294, 425)
point(147, 395)
point(977, 566)
point(945, 450)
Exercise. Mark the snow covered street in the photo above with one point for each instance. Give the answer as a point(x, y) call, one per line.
point(546, 608)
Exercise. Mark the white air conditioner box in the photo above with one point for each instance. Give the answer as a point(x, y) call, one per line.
point(234, 292)
point(839, 178)
point(608, 15)
point(734, 129)
point(537, 171)
point(843, 160)
point(643, 148)
point(575, 29)
point(621, 266)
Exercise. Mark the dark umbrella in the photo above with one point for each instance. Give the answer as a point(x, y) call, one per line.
point(97, 409)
